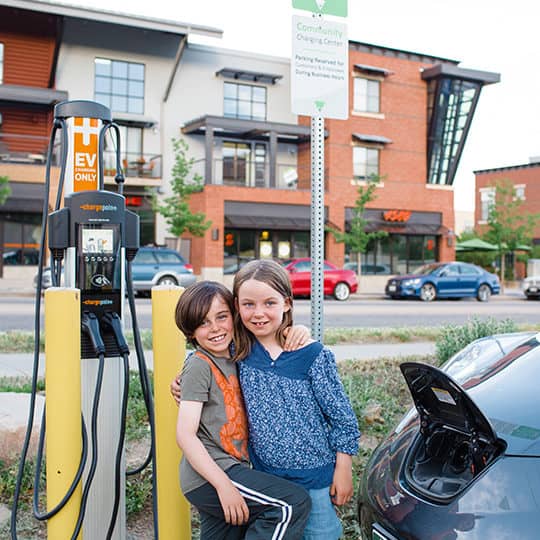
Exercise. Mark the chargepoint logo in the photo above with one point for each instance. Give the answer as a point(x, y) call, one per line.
point(85, 155)
point(97, 302)
point(99, 207)
point(100, 281)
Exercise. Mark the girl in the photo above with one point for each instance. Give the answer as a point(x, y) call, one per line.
point(234, 501)
point(301, 424)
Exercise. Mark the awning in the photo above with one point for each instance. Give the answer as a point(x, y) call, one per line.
point(373, 70)
point(251, 76)
point(417, 223)
point(247, 129)
point(365, 137)
point(30, 94)
point(24, 197)
point(249, 215)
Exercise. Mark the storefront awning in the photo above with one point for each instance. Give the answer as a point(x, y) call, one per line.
point(416, 223)
point(24, 197)
point(249, 215)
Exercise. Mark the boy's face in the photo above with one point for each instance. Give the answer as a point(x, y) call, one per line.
point(216, 331)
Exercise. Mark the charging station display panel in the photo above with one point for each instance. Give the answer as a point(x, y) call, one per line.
point(99, 257)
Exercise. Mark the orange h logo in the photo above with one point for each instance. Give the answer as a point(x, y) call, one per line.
point(85, 155)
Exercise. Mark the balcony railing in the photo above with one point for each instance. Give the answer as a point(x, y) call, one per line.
point(248, 173)
point(32, 149)
point(22, 148)
point(134, 165)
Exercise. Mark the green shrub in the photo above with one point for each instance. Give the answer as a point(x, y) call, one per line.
point(454, 338)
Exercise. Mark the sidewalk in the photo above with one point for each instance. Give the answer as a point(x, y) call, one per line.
point(21, 365)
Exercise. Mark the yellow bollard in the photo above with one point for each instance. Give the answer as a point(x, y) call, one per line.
point(169, 345)
point(63, 406)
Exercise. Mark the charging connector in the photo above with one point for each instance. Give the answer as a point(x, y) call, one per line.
point(111, 321)
point(90, 327)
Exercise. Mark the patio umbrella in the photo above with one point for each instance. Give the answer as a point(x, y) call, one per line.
point(475, 244)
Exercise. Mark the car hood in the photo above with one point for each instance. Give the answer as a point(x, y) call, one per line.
point(439, 400)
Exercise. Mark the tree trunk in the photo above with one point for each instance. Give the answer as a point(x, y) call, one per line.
point(502, 271)
point(358, 266)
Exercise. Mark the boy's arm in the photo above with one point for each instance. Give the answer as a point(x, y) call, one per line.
point(341, 490)
point(234, 507)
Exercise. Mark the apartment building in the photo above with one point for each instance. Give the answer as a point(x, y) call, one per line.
point(526, 181)
point(408, 122)
point(53, 52)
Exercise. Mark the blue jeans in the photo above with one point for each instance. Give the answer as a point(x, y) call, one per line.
point(323, 523)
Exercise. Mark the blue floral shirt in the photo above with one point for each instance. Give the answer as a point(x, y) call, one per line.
point(299, 415)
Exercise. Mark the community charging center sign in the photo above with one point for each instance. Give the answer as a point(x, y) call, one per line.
point(319, 67)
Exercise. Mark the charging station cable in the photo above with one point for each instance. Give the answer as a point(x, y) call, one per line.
point(111, 321)
point(146, 390)
point(90, 327)
point(58, 124)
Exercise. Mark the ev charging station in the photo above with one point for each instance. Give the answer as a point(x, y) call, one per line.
point(94, 237)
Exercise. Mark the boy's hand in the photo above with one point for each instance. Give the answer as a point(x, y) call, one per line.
point(175, 389)
point(296, 337)
point(234, 506)
point(341, 490)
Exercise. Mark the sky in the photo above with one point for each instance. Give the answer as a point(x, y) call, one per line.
point(487, 35)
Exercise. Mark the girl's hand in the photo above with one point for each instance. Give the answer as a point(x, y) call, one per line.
point(234, 506)
point(341, 490)
point(175, 389)
point(296, 337)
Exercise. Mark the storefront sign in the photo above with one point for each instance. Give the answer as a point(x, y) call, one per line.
point(319, 74)
point(397, 216)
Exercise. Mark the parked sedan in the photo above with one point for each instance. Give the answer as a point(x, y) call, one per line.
point(464, 463)
point(337, 282)
point(160, 266)
point(531, 287)
point(444, 280)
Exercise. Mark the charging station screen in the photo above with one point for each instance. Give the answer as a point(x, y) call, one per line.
point(97, 240)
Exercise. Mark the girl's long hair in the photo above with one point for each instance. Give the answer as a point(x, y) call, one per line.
point(275, 276)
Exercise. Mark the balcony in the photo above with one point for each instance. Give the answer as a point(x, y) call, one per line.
point(248, 173)
point(134, 165)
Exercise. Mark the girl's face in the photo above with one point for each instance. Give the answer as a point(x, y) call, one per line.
point(261, 308)
point(216, 331)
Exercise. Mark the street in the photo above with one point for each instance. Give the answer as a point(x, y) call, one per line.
point(17, 313)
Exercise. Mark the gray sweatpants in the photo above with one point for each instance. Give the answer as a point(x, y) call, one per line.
point(278, 509)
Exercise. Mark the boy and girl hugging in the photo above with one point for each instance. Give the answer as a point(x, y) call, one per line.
point(266, 429)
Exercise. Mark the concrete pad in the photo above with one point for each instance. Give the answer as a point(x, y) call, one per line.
point(14, 412)
point(5, 515)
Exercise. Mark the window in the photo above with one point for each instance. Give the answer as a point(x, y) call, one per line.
point(366, 95)
point(1, 63)
point(487, 199)
point(244, 101)
point(519, 192)
point(365, 162)
point(119, 85)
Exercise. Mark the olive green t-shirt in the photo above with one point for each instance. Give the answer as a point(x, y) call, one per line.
point(223, 426)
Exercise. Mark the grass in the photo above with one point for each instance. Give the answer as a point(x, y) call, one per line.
point(376, 390)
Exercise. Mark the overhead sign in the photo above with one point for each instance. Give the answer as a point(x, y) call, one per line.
point(324, 7)
point(319, 68)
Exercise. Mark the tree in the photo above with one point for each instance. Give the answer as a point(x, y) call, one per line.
point(357, 238)
point(5, 192)
point(509, 225)
point(175, 209)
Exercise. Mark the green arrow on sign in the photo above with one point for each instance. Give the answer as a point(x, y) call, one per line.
point(319, 104)
point(324, 7)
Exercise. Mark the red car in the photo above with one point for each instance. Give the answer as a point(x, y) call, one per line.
point(337, 282)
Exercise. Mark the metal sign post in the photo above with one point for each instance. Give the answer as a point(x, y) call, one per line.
point(319, 89)
point(317, 226)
